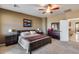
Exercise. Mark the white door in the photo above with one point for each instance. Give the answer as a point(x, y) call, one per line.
point(64, 33)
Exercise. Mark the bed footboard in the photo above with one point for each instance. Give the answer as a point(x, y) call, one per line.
point(40, 43)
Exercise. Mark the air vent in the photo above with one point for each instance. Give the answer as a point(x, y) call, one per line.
point(15, 5)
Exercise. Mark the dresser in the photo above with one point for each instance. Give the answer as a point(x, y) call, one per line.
point(11, 39)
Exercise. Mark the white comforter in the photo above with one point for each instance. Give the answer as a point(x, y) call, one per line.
point(25, 43)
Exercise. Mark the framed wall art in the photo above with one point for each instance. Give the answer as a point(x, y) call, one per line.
point(27, 23)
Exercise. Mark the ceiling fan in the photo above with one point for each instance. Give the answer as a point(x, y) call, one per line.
point(49, 8)
point(67, 10)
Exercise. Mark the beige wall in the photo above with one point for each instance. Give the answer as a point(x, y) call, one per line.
point(1, 36)
point(14, 20)
point(44, 25)
point(0, 22)
point(72, 14)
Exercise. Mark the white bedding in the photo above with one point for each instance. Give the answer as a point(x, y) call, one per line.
point(31, 35)
point(24, 43)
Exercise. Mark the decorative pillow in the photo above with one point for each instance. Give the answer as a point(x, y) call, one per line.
point(25, 33)
point(31, 35)
point(32, 32)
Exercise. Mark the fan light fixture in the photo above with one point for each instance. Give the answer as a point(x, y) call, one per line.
point(48, 8)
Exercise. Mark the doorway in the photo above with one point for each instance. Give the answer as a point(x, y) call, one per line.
point(73, 29)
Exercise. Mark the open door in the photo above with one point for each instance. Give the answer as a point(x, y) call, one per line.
point(64, 33)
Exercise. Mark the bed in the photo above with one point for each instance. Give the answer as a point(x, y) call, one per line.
point(33, 41)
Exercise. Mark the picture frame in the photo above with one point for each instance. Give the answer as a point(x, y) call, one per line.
point(27, 23)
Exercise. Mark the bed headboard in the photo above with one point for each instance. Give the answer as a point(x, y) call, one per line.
point(19, 31)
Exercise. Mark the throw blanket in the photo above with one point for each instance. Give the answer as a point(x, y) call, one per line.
point(33, 38)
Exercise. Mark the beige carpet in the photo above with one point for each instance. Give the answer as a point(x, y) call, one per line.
point(56, 47)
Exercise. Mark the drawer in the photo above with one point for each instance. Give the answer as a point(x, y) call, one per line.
point(10, 43)
point(11, 39)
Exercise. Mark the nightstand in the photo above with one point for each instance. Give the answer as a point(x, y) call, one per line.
point(11, 39)
point(40, 32)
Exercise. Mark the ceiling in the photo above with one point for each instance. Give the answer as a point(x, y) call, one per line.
point(32, 9)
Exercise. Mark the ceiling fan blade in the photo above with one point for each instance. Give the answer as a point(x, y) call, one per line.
point(68, 10)
point(51, 12)
point(55, 8)
point(49, 8)
point(43, 12)
point(41, 9)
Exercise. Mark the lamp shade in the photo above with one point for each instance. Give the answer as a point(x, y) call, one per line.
point(38, 29)
point(10, 30)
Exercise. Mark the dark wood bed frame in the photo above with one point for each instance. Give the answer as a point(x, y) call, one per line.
point(36, 44)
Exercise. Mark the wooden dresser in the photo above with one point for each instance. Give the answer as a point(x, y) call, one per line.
point(11, 39)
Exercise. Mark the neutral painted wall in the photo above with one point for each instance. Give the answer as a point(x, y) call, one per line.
point(44, 25)
point(14, 20)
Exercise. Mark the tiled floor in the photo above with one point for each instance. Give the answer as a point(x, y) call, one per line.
point(56, 47)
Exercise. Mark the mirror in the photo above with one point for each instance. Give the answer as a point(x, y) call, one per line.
point(55, 26)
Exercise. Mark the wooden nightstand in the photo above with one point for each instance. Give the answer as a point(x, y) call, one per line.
point(11, 39)
point(40, 32)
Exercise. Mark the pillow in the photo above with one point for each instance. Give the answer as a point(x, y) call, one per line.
point(32, 32)
point(25, 33)
point(31, 35)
